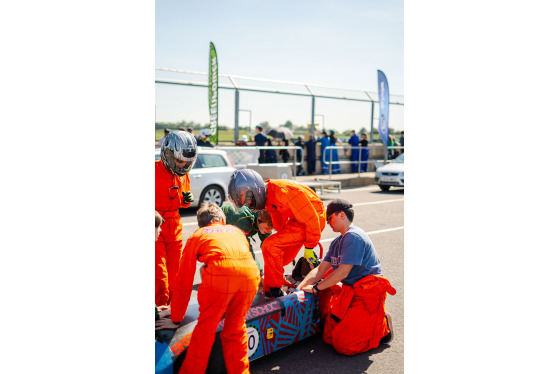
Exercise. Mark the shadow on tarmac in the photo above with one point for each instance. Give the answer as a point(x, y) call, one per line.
point(392, 191)
point(188, 212)
point(318, 356)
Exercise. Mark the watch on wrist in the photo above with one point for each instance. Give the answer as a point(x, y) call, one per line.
point(315, 287)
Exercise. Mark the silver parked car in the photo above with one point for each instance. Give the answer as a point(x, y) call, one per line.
point(209, 176)
point(391, 174)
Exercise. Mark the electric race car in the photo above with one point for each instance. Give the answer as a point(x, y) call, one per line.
point(272, 324)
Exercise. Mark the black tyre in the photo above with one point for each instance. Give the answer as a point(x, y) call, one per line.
point(384, 188)
point(212, 194)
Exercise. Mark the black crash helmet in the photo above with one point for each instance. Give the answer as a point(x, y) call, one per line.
point(246, 187)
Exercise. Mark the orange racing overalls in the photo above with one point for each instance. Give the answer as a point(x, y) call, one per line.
point(356, 321)
point(298, 216)
point(230, 279)
point(170, 241)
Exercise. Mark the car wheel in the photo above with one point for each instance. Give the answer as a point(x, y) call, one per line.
point(384, 188)
point(212, 194)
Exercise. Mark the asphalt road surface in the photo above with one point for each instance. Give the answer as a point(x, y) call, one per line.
point(381, 216)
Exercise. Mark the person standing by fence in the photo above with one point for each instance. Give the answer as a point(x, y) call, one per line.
point(365, 153)
point(260, 141)
point(334, 142)
point(325, 154)
point(270, 156)
point(284, 153)
point(354, 142)
point(391, 152)
point(311, 147)
point(299, 156)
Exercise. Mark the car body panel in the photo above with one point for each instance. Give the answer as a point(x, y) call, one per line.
point(271, 325)
point(391, 174)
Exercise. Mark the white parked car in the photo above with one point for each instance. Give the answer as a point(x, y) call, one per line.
point(391, 174)
point(209, 176)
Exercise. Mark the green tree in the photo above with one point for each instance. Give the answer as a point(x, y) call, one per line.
point(289, 124)
point(264, 125)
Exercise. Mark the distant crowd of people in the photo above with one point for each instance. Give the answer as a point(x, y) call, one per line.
point(392, 142)
point(328, 156)
point(201, 140)
point(358, 156)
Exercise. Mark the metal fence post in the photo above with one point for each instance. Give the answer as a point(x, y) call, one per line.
point(294, 164)
point(330, 161)
point(360, 161)
point(236, 126)
point(312, 127)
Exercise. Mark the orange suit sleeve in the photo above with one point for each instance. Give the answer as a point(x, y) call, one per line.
point(184, 281)
point(304, 212)
point(185, 187)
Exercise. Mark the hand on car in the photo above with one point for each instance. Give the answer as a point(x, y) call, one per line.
point(164, 311)
point(165, 323)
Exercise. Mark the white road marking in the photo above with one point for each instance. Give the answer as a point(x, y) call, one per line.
point(368, 233)
point(379, 202)
point(366, 188)
point(358, 204)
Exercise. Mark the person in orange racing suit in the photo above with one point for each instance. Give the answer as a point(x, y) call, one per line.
point(298, 216)
point(356, 320)
point(230, 279)
point(172, 187)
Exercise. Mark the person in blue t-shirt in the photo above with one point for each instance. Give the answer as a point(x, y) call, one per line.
point(260, 140)
point(351, 255)
point(356, 265)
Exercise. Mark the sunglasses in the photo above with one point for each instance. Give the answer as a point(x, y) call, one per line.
point(331, 216)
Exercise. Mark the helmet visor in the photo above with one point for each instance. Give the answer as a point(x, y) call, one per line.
point(244, 198)
point(183, 165)
point(233, 205)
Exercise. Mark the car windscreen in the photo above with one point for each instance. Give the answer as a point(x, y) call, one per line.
point(209, 161)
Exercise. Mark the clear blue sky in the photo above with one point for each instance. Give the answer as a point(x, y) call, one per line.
point(333, 43)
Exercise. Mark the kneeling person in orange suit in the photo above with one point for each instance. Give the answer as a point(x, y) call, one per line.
point(356, 320)
point(298, 216)
point(230, 279)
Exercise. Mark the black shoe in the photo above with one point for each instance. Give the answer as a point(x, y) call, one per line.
point(274, 292)
point(389, 337)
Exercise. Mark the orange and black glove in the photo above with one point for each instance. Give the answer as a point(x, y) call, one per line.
point(311, 258)
point(188, 197)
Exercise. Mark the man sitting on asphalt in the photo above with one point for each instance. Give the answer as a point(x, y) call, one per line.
point(356, 320)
